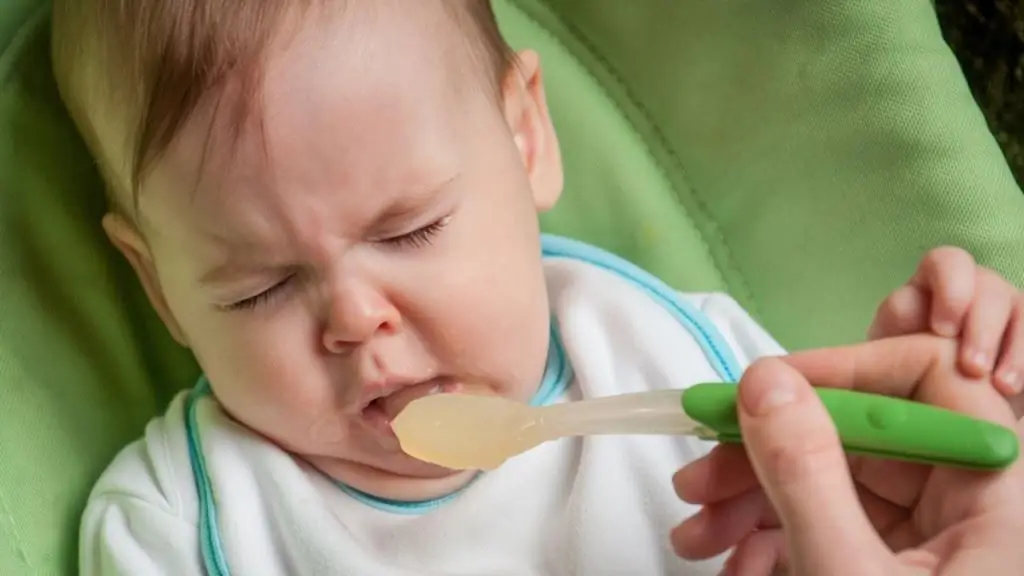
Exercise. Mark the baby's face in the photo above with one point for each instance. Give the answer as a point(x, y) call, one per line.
point(375, 239)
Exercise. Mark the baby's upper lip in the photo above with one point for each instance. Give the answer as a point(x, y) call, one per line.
point(384, 387)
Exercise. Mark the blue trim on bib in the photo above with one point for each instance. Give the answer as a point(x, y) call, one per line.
point(557, 378)
point(209, 533)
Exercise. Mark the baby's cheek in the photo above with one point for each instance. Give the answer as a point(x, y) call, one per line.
point(265, 367)
point(283, 402)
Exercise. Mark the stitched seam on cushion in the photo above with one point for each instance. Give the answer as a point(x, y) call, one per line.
point(734, 275)
point(713, 228)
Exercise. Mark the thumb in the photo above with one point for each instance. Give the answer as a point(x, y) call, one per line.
point(796, 454)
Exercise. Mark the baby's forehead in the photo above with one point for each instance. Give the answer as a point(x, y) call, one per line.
point(380, 118)
point(236, 43)
point(390, 37)
point(349, 81)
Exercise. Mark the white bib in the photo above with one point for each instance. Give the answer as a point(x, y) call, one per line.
point(201, 494)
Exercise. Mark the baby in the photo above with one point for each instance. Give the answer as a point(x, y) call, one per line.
point(334, 205)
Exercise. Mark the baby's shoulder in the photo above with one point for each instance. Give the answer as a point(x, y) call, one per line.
point(154, 470)
point(142, 516)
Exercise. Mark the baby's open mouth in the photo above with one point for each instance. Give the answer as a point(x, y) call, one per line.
point(380, 411)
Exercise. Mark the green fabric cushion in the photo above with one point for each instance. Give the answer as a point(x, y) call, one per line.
point(81, 358)
point(801, 156)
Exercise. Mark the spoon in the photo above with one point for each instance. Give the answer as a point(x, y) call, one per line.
point(469, 432)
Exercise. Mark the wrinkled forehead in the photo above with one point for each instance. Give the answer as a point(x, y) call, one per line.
point(367, 98)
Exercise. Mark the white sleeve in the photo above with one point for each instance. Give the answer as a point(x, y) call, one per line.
point(140, 517)
point(124, 535)
point(748, 339)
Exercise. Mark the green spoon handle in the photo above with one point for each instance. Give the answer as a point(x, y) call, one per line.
point(876, 425)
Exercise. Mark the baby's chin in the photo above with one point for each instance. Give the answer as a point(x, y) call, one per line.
point(400, 477)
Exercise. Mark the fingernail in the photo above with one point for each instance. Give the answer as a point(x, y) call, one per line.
point(767, 394)
point(979, 360)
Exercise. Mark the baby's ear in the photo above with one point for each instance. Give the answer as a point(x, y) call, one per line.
point(526, 112)
point(126, 238)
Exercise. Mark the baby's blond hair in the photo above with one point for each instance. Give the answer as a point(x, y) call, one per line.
point(148, 64)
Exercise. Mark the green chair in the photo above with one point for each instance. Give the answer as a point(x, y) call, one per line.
point(801, 155)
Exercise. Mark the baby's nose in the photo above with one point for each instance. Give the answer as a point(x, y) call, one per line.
point(355, 317)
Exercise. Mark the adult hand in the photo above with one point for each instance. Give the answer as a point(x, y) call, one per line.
point(791, 498)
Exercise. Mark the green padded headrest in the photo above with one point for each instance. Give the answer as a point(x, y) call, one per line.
point(801, 155)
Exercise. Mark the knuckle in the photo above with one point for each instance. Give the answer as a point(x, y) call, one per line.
point(803, 457)
point(762, 368)
point(901, 312)
point(889, 305)
point(946, 269)
point(899, 302)
point(933, 260)
point(949, 255)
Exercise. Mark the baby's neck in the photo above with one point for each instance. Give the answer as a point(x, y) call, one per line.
point(388, 486)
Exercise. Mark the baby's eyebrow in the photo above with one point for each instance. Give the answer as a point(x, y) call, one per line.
point(234, 259)
point(413, 202)
point(230, 269)
point(237, 261)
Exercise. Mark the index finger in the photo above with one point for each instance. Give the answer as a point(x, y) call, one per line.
point(919, 366)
